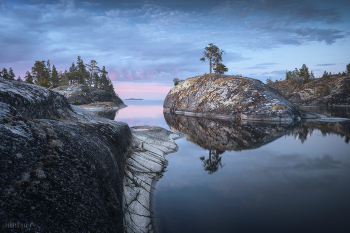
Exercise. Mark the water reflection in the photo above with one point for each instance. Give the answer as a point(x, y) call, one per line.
point(221, 135)
point(305, 130)
point(110, 114)
point(212, 164)
point(332, 111)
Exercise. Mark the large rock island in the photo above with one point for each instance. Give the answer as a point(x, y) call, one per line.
point(62, 167)
point(226, 96)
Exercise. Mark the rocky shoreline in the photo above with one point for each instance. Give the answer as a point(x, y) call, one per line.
point(65, 169)
point(328, 90)
point(62, 167)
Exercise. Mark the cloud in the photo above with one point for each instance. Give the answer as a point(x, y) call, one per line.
point(261, 66)
point(271, 24)
point(327, 64)
point(324, 163)
point(148, 42)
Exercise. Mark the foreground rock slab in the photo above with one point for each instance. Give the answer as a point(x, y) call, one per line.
point(226, 96)
point(61, 167)
point(145, 166)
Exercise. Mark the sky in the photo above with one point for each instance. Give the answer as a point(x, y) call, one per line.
point(144, 45)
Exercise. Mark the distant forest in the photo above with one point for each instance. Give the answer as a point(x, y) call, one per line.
point(43, 75)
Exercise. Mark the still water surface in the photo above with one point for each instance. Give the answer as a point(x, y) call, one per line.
point(228, 177)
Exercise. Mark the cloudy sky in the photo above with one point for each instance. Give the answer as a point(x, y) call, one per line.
point(146, 44)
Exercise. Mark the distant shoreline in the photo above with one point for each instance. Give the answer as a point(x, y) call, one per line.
point(133, 99)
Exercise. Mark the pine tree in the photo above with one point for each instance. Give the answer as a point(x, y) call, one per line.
point(220, 68)
point(213, 54)
point(4, 74)
point(11, 74)
point(72, 74)
point(28, 78)
point(82, 73)
point(19, 79)
point(93, 68)
point(39, 72)
point(65, 78)
point(54, 77)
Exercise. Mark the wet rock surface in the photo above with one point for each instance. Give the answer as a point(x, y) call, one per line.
point(226, 96)
point(330, 90)
point(61, 167)
point(225, 134)
point(83, 94)
point(145, 166)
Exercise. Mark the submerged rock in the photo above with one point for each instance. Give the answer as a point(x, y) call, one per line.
point(83, 94)
point(145, 166)
point(226, 96)
point(62, 167)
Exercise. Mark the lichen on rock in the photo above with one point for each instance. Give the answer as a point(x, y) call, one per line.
point(227, 96)
point(83, 94)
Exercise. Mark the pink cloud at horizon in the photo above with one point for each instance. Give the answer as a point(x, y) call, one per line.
point(150, 91)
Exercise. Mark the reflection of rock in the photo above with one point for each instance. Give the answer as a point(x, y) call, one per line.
point(107, 114)
point(144, 168)
point(227, 96)
point(339, 128)
point(219, 134)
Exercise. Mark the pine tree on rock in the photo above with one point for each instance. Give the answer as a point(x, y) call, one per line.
point(213, 54)
point(28, 78)
point(11, 74)
point(39, 72)
point(54, 77)
point(4, 74)
point(19, 79)
point(220, 68)
point(93, 68)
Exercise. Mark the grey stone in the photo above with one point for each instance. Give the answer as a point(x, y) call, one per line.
point(59, 145)
point(83, 94)
point(233, 97)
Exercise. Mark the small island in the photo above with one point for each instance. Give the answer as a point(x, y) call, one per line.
point(133, 99)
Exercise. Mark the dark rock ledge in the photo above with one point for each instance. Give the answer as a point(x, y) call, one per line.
point(61, 167)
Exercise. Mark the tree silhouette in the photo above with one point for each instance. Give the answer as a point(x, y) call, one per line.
point(220, 68)
point(213, 54)
point(213, 163)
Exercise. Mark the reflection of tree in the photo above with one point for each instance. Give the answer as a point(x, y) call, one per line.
point(213, 163)
point(327, 128)
point(302, 132)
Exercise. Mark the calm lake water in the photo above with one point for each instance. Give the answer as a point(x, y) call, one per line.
point(231, 177)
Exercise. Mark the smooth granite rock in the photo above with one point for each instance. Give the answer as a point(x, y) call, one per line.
point(226, 96)
point(83, 94)
point(61, 167)
point(145, 166)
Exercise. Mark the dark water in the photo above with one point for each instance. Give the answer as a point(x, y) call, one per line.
point(233, 177)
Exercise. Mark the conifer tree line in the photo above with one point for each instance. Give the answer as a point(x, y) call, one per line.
point(45, 75)
point(307, 76)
